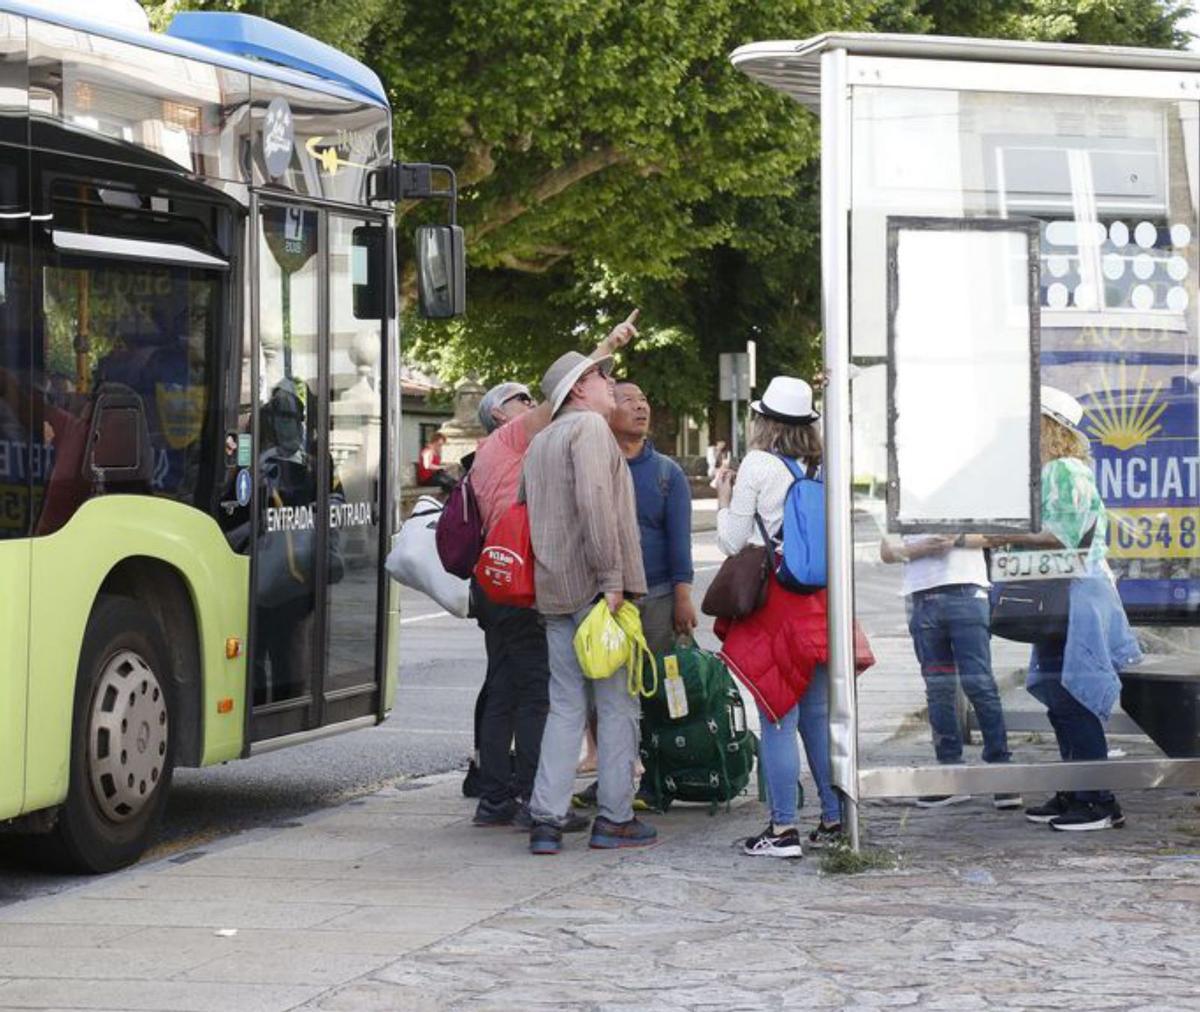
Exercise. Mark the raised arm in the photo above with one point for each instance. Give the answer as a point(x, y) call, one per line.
point(616, 339)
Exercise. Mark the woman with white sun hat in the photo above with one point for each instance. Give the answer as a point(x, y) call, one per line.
point(1075, 675)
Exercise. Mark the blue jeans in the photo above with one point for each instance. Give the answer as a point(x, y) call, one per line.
point(780, 753)
point(949, 627)
point(1079, 732)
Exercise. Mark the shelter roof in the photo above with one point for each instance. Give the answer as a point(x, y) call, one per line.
point(794, 67)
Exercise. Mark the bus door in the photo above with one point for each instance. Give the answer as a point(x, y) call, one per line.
point(316, 632)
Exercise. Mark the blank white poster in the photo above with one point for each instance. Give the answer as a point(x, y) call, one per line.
point(962, 360)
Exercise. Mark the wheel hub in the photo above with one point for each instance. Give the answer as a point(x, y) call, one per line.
point(127, 736)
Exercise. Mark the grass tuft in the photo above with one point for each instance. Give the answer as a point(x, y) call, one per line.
point(839, 859)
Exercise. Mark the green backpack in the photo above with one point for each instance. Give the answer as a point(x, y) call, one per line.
point(706, 755)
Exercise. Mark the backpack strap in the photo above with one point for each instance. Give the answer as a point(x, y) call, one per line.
point(664, 473)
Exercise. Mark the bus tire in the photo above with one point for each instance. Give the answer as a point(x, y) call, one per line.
point(122, 746)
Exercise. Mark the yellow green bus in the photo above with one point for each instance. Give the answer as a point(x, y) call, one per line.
point(198, 418)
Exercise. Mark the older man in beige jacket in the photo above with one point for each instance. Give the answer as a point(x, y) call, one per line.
point(583, 519)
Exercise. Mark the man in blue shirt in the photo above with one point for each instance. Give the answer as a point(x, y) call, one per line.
point(664, 507)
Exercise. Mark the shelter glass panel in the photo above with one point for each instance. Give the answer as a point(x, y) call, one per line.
point(1111, 186)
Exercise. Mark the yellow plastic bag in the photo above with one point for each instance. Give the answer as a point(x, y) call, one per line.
point(605, 643)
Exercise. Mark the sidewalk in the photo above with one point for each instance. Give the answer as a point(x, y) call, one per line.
point(394, 901)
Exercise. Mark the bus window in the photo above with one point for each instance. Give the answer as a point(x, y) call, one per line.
point(14, 348)
point(129, 325)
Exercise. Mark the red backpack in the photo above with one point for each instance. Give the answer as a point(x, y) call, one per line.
point(505, 566)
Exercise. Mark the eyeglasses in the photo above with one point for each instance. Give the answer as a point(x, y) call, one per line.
point(523, 398)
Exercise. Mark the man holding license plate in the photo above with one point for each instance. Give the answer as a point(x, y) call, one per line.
point(1055, 589)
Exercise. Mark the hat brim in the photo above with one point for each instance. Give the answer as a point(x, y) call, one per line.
point(1062, 420)
point(759, 408)
point(604, 364)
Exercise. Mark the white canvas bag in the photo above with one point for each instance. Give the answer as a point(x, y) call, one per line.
point(413, 560)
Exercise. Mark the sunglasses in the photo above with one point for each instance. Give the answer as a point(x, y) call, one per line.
point(523, 398)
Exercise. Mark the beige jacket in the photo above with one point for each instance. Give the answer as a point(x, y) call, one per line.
point(582, 514)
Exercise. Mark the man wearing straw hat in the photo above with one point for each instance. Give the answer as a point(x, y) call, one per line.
point(583, 521)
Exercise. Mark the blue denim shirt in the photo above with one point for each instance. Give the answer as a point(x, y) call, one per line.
point(1099, 643)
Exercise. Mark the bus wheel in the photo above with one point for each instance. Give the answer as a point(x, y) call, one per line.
point(122, 752)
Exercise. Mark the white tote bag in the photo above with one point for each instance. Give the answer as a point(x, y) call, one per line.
point(413, 560)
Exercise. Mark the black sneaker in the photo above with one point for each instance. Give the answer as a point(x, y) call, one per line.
point(1051, 809)
point(609, 835)
point(573, 823)
point(545, 839)
point(1083, 816)
point(771, 844)
point(1002, 802)
point(825, 834)
point(490, 814)
point(470, 784)
point(941, 800)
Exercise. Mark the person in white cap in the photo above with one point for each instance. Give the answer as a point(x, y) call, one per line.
point(513, 699)
point(586, 546)
point(791, 694)
point(1075, 676)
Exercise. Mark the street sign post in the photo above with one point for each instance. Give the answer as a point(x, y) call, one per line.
point(737, 379)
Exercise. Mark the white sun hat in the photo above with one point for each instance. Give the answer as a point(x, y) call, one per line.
point(1062, 407)
point(787, 399)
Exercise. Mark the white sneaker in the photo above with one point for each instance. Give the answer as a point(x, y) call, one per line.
point(770, 844)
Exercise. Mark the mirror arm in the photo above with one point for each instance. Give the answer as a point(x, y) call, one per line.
point(413, 181)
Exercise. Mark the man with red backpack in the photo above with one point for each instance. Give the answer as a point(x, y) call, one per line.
point(514, 694)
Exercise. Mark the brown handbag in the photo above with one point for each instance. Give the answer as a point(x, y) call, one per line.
point(740, 586)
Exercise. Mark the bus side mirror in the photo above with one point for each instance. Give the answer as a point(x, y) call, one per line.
point(441, 271)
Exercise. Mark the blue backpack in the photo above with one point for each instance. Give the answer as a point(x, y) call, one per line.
point(801, 558)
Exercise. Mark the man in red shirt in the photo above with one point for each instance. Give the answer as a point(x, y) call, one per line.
point(516, 688)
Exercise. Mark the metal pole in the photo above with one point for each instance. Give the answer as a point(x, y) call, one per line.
point(835, 284)
point(734, 421)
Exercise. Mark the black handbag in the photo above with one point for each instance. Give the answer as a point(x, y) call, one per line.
point(740, 586)
point(1033, 611)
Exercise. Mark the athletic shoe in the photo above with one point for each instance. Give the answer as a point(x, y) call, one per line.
point(825, 834)
point(609, 835)
point(470, 784)
point(1001, 802)
point(490, 814)
point(545, 839)
point(573, 823)
point(1083, 816)
point(587, 797)
point(941, 800)
point(772, 844)
point(1057, 805)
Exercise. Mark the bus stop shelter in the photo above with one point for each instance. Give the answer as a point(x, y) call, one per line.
point(997, 216)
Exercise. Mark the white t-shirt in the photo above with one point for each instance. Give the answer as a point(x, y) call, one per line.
point(959, 565)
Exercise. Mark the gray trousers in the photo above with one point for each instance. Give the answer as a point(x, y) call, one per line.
point(617, 715)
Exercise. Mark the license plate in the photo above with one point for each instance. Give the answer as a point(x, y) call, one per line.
point(1038, 564)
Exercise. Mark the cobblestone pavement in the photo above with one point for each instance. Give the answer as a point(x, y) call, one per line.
point(394, 902)
point(983, 911)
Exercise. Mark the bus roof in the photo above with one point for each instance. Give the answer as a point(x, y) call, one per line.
point(239, 42)
point(794, 67)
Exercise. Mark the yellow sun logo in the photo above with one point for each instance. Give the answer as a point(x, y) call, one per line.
point(1127, 423)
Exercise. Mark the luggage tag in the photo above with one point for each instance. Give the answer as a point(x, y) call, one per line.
point(677, 704)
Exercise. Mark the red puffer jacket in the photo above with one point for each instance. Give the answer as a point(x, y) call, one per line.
point(773, 651)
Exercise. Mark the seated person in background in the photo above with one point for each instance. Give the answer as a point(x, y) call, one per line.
point(429, 465)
